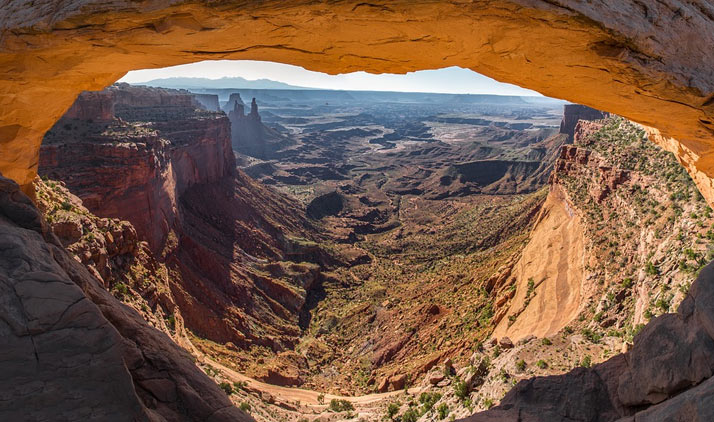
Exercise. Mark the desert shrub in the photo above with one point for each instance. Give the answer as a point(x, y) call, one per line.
point(586, 362)
point(410, 416)
point(120, 290)
point(442, 410)
point(461, 389)
point(392, 410)
point(227, 387)
point(546, 342)
point(651, 269)
point(488, 403)
point(521, 365)
point(340, 405)
point(428, 400)
point(541, 364)
point(245, 407)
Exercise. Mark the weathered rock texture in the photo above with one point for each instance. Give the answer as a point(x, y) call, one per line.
point(175, 148)
point(650, 62)
point(619, 240)
point(669, 366)
point(71, 351)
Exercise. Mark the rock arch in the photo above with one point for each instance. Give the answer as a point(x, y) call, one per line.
point(649, 61)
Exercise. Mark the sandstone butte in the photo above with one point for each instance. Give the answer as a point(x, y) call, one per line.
point(651, 62)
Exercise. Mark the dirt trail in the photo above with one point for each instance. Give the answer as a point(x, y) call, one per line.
point(304, 397)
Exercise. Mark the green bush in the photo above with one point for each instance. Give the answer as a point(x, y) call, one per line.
point(392, 410)
point(120, 290)
point(340, 405)
point(586, 362)
point(546, 342)
point(521, 365)
point(428, 400)
point(488, 403)
point(410, 416)
point(651, 269)
point(461, 389)
point(443, 410)
point(226, 387)
point(245, 407)
point(541, 364)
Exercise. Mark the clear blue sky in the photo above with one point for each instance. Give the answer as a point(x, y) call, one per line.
point(447, 80)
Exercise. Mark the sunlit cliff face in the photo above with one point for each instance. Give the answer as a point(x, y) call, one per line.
point(611, 56)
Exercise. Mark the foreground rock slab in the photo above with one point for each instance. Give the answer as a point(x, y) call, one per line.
point(70, 351)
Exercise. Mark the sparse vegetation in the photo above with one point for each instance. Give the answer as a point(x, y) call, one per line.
point(341, 405)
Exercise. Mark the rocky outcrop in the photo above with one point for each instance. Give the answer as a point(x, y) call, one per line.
point(607, 200)
point(180, 147)
point(208, 101)
point(72, 351)
point(235, 102)
point(641, 61)
point(248, 133)
point(670, 366)
point(238, 252)
point(573, 113)
point(97, 106)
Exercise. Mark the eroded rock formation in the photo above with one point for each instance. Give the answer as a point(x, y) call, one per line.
point(572, 114)
point(242, 258)
point(248, 133)
point(666, 375)
point(72, 351)
point(649, 62)
point(179, 147)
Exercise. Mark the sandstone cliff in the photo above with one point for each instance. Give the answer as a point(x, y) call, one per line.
point(572, 114)
point(623, 245)
point(161, 144)
point(241, 258)
point(665, 376)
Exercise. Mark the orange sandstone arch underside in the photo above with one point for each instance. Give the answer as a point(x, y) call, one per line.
point(652, 63)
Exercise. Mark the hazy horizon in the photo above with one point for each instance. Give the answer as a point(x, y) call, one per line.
point(451, 80)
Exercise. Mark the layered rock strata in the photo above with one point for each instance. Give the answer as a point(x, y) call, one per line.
point(241, 257)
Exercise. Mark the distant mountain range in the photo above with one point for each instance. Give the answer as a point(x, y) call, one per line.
point(222, 83)
point(270, 90)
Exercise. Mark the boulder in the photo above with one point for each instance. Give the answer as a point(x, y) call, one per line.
point(397, 382)
point(505, 343)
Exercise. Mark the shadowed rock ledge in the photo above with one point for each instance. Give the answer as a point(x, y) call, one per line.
point(70, 351)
